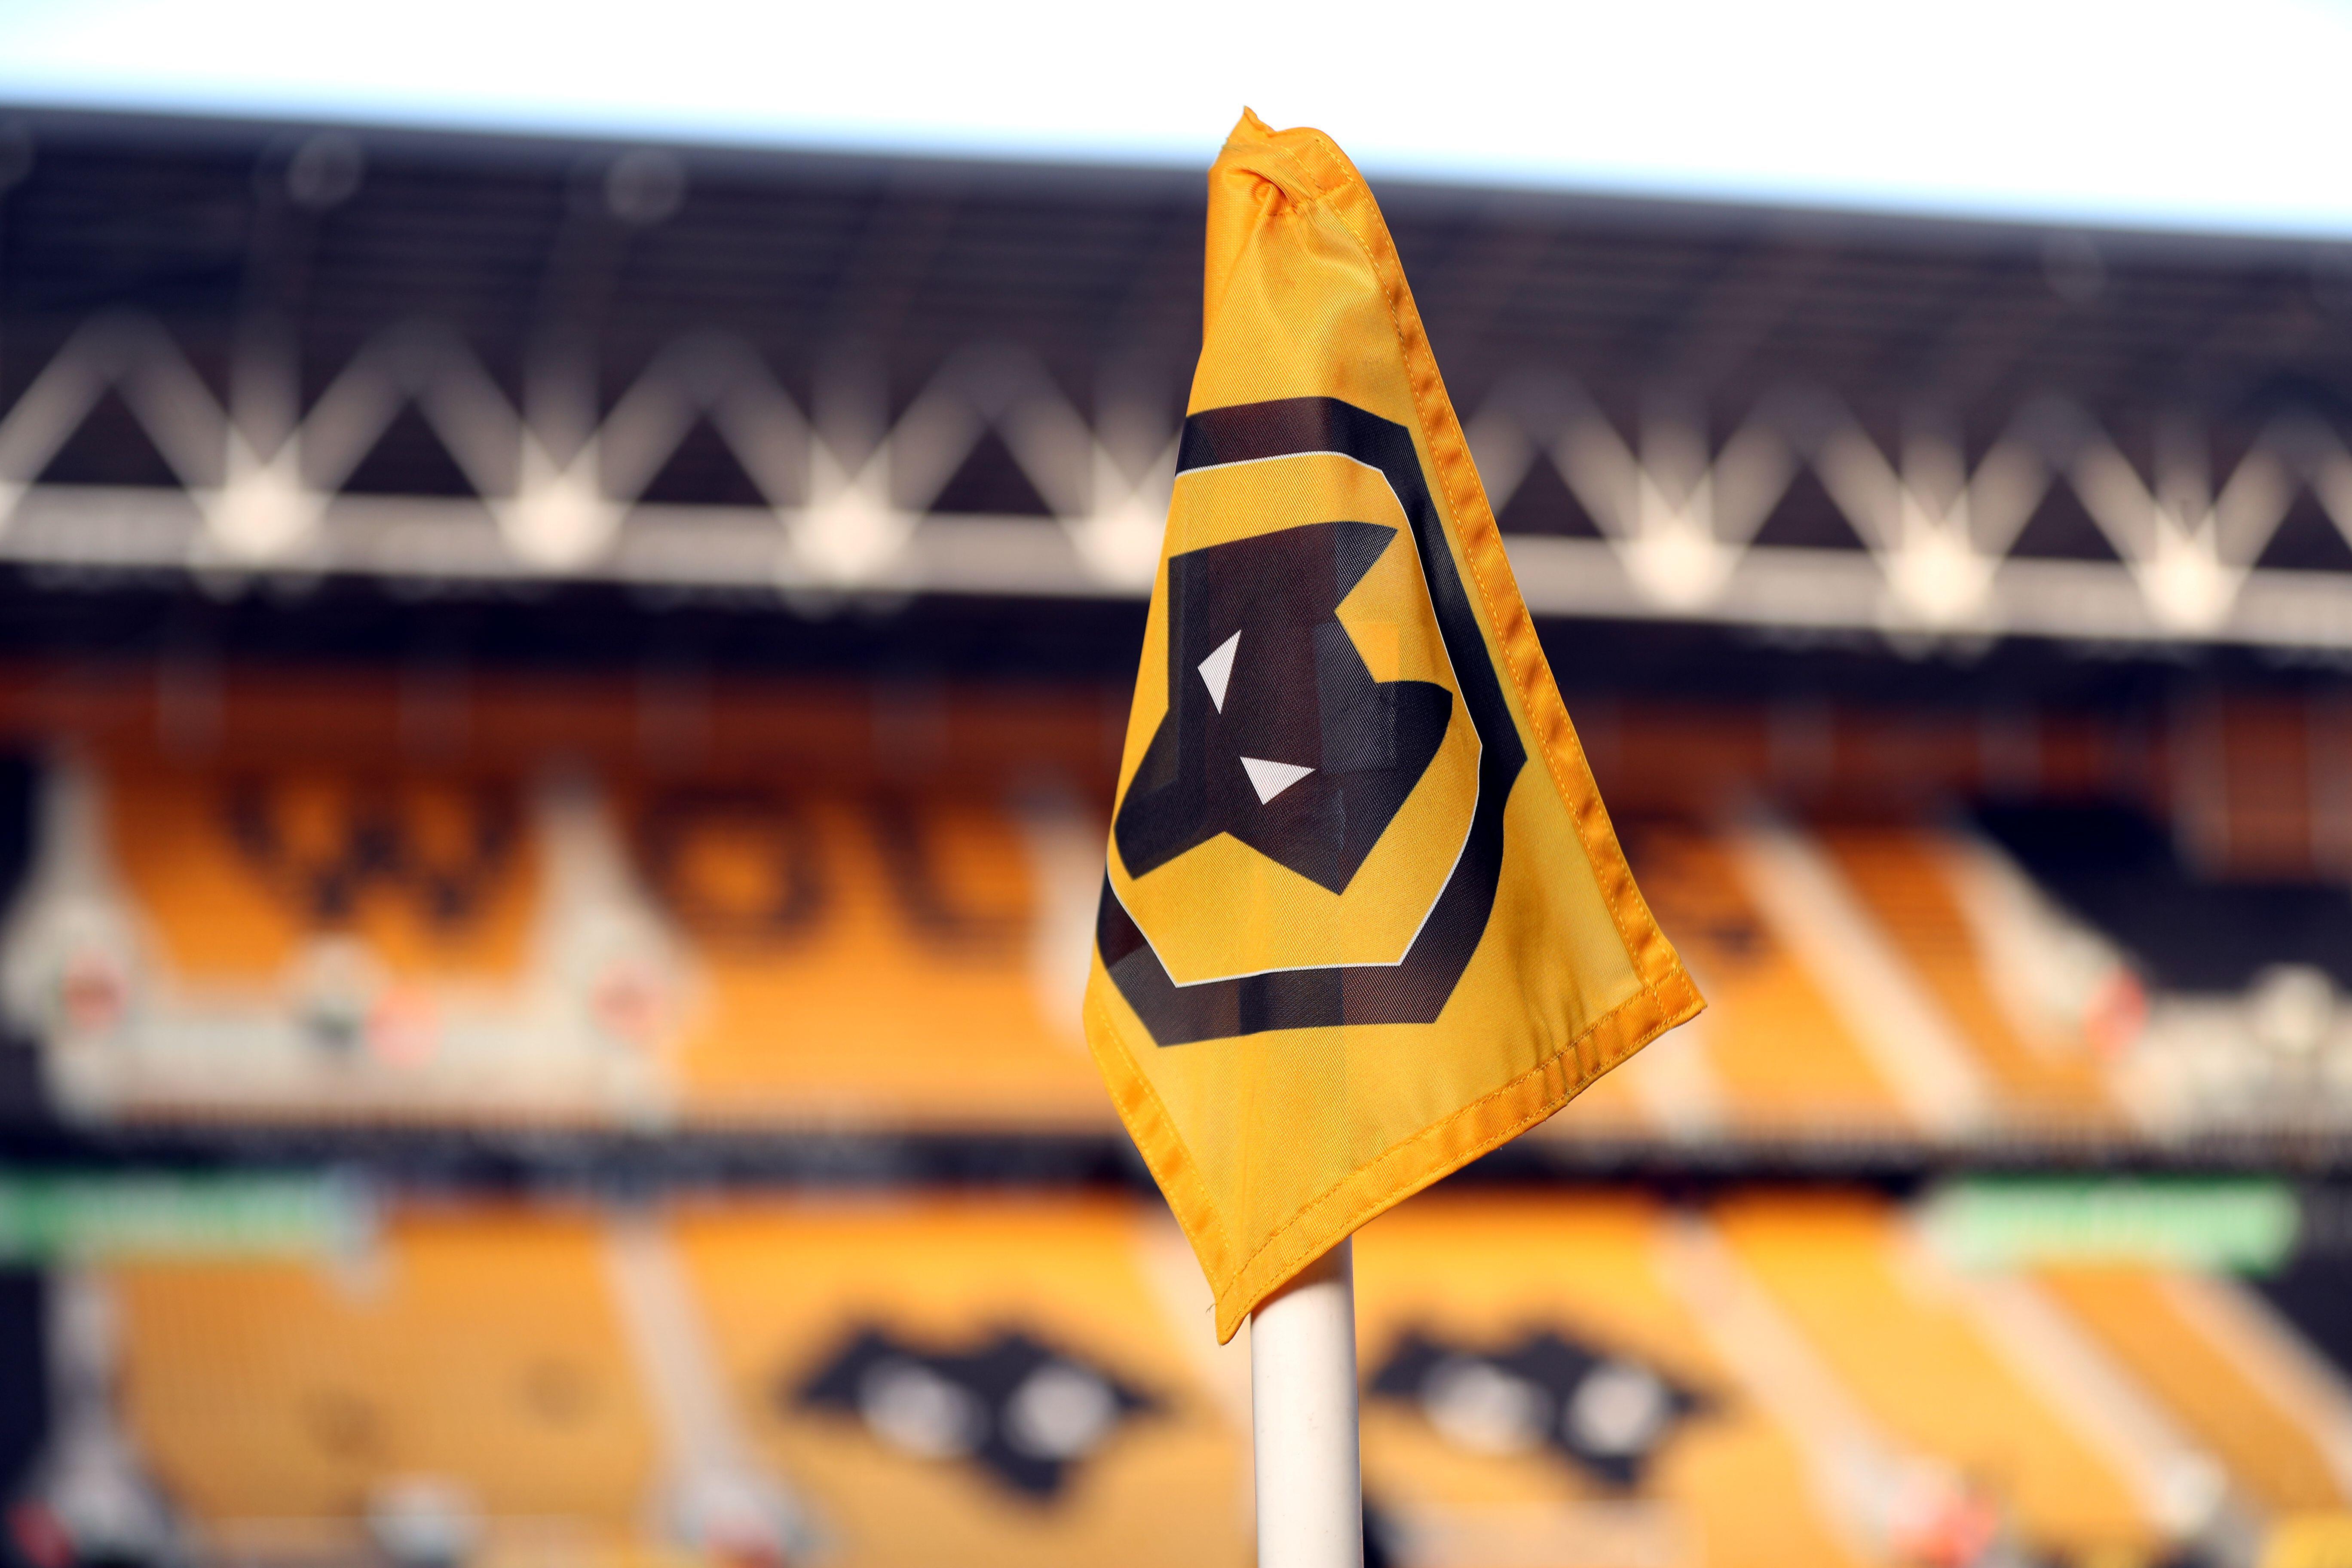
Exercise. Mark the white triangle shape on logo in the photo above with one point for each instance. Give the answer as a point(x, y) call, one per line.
point(1270, 779)
point(1217, 670)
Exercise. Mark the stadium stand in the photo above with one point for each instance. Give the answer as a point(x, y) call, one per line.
point(2204, 1349)
point(1535, 1385)
point(1550, 1375)
point(1906, 878)
point(998, 1383)
point(1783, 1058)
point(232, 873)
point(935, 904)
point(1916, 1352)
point(643, 741)
point(476, 1351)
point(454, 943)
point(544, 929)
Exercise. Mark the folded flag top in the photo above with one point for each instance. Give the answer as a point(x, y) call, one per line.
point(1364, 916)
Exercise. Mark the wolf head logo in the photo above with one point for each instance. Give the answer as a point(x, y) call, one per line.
point(1276, 732)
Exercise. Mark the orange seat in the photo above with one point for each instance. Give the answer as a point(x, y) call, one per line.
point(1480, 1275)
point(480, 1348)
point(901, 983)
point(234, 871)
point(848, 958)
point(850, 1333)
point(1841, 1271)
point(1784, 1061)
point(2154, 1322)
point(1904, 877)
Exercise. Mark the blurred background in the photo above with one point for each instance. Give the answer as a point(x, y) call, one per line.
point(567, 594)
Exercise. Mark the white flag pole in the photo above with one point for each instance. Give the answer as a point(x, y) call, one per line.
point(1310, 1495)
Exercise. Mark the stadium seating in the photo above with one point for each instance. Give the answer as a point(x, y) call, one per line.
point(500, 939)
point(1472, 1452)
point(2217, 1360)
point(446, 946)
point(1905, 875)
point(1565, 1374)
point(477, 1349)
point(1784, 1061)
point(1001, 1382)
point(903, 984)
point(1918, 1355)
point(437, 876)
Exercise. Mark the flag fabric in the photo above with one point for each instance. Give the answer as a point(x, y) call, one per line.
point(1364, 917)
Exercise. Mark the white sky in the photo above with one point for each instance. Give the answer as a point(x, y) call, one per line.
point(2219, 116)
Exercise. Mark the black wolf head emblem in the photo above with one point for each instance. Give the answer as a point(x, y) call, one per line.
point(1275, 731)
point(1607, 1414)
point(1024, 1411)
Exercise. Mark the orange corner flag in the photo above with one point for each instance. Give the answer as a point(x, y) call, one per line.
point(1364, 916)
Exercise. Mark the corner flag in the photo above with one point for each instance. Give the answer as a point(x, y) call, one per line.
point(1364, 917)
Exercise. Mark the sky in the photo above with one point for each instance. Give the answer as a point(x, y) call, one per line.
point(2228, 117)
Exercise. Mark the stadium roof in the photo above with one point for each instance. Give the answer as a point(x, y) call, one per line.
point(881, 374)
